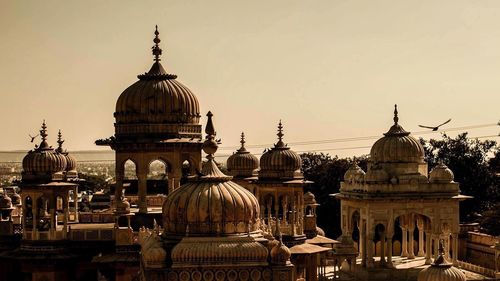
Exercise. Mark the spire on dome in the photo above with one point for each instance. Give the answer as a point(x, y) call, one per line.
point(60, 142)
point(209, 129)
point(43, 134)
point(156, 48)
point(157, 72)
point(280, 135)
point(242, 141)
point(440, 260)
point(396, 118)
point(396, 129)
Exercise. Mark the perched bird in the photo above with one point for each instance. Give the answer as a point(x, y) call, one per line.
point(32, 138)
point(435, 128)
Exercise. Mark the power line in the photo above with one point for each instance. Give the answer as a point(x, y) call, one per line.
point(361, 138)
point(312, 150)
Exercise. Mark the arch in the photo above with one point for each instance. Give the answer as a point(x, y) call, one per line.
point(157, 169)
point(167, 164)
point(129, 167)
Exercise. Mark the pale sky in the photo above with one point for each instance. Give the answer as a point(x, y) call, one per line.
point(329, 69)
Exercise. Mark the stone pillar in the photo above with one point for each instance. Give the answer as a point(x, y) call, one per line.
point(369, 250)
point(447, 247)
point(404, 243)
point(142, 192)
point(436, 245)
point(382, 248)
point(75, 200)
point(420, 226)
point(455, 249)
point(118, 186)
point(34, 201)
point(389, 251)
point(411, 242)
point(362, 244)
point(428, 248)
point(66, 215)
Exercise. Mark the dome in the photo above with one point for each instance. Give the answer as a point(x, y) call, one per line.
point(440, 270)
point(16, 199)
point(242, 163)
point(152, 252)
point(70, 160)
point(397, 146)
point(43, 160)
point(280, 254)
point(280, 162)
point(309, 198)
point(441, 174)
point(211, 203)
point(354, 174)
point(157, 98)
point(5, 202)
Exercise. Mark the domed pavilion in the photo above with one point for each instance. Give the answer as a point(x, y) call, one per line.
point(396, 199)
point(157, 119)
point(212, 231)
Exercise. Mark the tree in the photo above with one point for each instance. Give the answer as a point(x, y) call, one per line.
point(468, 159)
point(327, 172)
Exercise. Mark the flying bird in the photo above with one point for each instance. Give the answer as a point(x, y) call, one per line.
point(437, 127)
point(32, 138)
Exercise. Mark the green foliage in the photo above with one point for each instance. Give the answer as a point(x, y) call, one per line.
point(468, 159)
point(92, 182)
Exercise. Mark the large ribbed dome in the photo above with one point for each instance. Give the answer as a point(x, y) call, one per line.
point(242, 163)
point(157, 98)
point(212, 203)
point(157, 105)
point(43, 160)
point(280, 162)
point(397, 146)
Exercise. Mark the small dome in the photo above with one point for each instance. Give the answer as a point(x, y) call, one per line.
point(397, 146)
point(16, 199)
point(309, 198)
point(5, 202)
point(280, 162)
point(441, 174)
point(280, 254)
point(376, 174)
point(242, 163)
point(152, 252)
point(320, 231)
point(212, 203)
point(70, 160)
point(354, 174)
point(43, 160)
point(440, 270)
point(157, 98)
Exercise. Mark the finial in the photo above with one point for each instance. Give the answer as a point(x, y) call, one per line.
point(242, 141)
point(440, 261)
point(280, 135)
point(156, 48)
point(43, 134)
point(60, 141)
point(396, 118)
point(209, 129)
point(210, 145)
point(43, 131)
